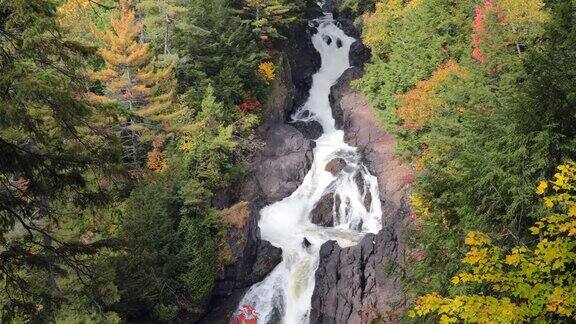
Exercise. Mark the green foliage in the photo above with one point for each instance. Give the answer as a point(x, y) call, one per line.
point(525, 284)
point(170, 230)
point(267, 16)
point(408, 42)
point(51, 151)
point(169, 264)
point(216, 35)
point(489, 132)
point(159, 19)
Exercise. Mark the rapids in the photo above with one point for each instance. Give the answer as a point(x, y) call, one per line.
point(285, 295)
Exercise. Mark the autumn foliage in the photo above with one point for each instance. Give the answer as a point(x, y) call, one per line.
point(130, 75)
point(526, 284)
point(419, 104)
point(250, 103)
point(157, 156)
point(267, 70)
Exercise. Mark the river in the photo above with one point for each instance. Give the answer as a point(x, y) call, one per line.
point(285, 295)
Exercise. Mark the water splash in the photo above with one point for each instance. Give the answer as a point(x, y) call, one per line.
point(285, 295)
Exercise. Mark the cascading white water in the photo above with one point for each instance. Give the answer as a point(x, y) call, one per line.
point(285, 295)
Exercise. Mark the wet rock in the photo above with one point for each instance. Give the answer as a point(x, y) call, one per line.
point(311, 130)
point(305, 61)
point(368, 200)
point(338, 90)
point(306, 243)
point(363, 190)
point(359, 180)
point(322, 212)
point(284, 162)
point(335, 166)
point(327, 39)
point(338, 43)
point(358, 284)
point(359, 54)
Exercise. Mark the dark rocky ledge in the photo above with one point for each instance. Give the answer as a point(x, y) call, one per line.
point(361, 283)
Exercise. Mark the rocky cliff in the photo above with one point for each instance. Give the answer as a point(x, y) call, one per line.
point(277, 169)
point(360, 284)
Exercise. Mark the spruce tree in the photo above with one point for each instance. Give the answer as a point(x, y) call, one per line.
point(52, 147)
point(159, 18)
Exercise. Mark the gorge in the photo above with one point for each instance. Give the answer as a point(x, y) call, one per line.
point(335, 238)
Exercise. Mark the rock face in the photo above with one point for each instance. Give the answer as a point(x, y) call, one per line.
point(248, 260)
point(305, 61)
point(357, 284)
point(361, 283)
point(287, 154)
point(322, 213)
point(335, 166)
point(284, 162)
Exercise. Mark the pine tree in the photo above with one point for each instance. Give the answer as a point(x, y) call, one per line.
point(52, 145)
point(215, 34)
point(131, 78)
point(159, 18)
point(266, 16)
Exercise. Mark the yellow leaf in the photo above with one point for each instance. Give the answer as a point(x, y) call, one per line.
point(455, 280)
point(572, 210)
point(542, 187)
point(548, 203)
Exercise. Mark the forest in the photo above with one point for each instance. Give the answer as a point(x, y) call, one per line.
point(122, 120)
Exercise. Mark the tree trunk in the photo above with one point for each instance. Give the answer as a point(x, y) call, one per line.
point(139, 18)
point(166, 29)
point(47, 244)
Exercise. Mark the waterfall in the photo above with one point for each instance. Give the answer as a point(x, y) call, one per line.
point(285, 295)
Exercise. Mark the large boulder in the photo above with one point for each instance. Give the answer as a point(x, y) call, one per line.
point(335, 166)
point(322, 213)
point(359, 54)
point(311, 130)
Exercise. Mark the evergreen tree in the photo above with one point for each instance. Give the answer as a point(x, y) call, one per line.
point(266, 16)
point(52, 146)
point(214, 36)
point(159, 18)
point(131, 78)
